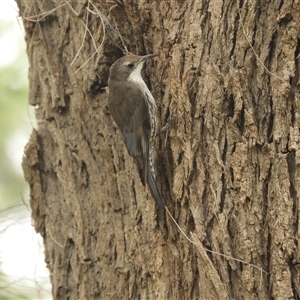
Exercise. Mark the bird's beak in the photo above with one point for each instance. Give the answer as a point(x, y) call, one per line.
point(145, 57)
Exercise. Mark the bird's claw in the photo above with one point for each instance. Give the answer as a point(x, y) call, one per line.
point(169, 122)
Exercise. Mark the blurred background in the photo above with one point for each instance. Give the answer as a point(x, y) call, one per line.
point(23, 273)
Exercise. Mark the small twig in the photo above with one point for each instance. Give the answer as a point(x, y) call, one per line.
point(250, 44)
point(54, 240)
point(97, 49)
point(118, 32)
point(211, 251)
point(86, 30)
point(43, 15)
point(23, 201)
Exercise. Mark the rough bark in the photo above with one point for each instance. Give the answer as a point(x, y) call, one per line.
point(229, 170)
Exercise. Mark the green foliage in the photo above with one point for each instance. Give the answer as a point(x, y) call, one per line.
point(14, 123)
point(15, 128)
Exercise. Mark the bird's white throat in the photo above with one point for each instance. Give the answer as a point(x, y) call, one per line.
point(137, 78)
point(136, 75)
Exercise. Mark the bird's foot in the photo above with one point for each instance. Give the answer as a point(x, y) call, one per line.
point(165, 129)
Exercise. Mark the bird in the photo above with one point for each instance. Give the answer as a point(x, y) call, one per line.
point(134, 111)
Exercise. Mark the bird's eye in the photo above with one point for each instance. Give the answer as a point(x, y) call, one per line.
point(130, 65)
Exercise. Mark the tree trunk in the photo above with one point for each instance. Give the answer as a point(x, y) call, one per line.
point(228, 169)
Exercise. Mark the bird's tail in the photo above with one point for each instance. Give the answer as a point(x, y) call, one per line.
point(153, 189)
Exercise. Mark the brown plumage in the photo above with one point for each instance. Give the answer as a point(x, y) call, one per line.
point(134, 110)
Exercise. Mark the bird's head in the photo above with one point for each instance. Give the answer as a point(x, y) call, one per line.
point(128, 68)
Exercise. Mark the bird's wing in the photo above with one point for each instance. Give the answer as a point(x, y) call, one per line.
point(129, 108)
